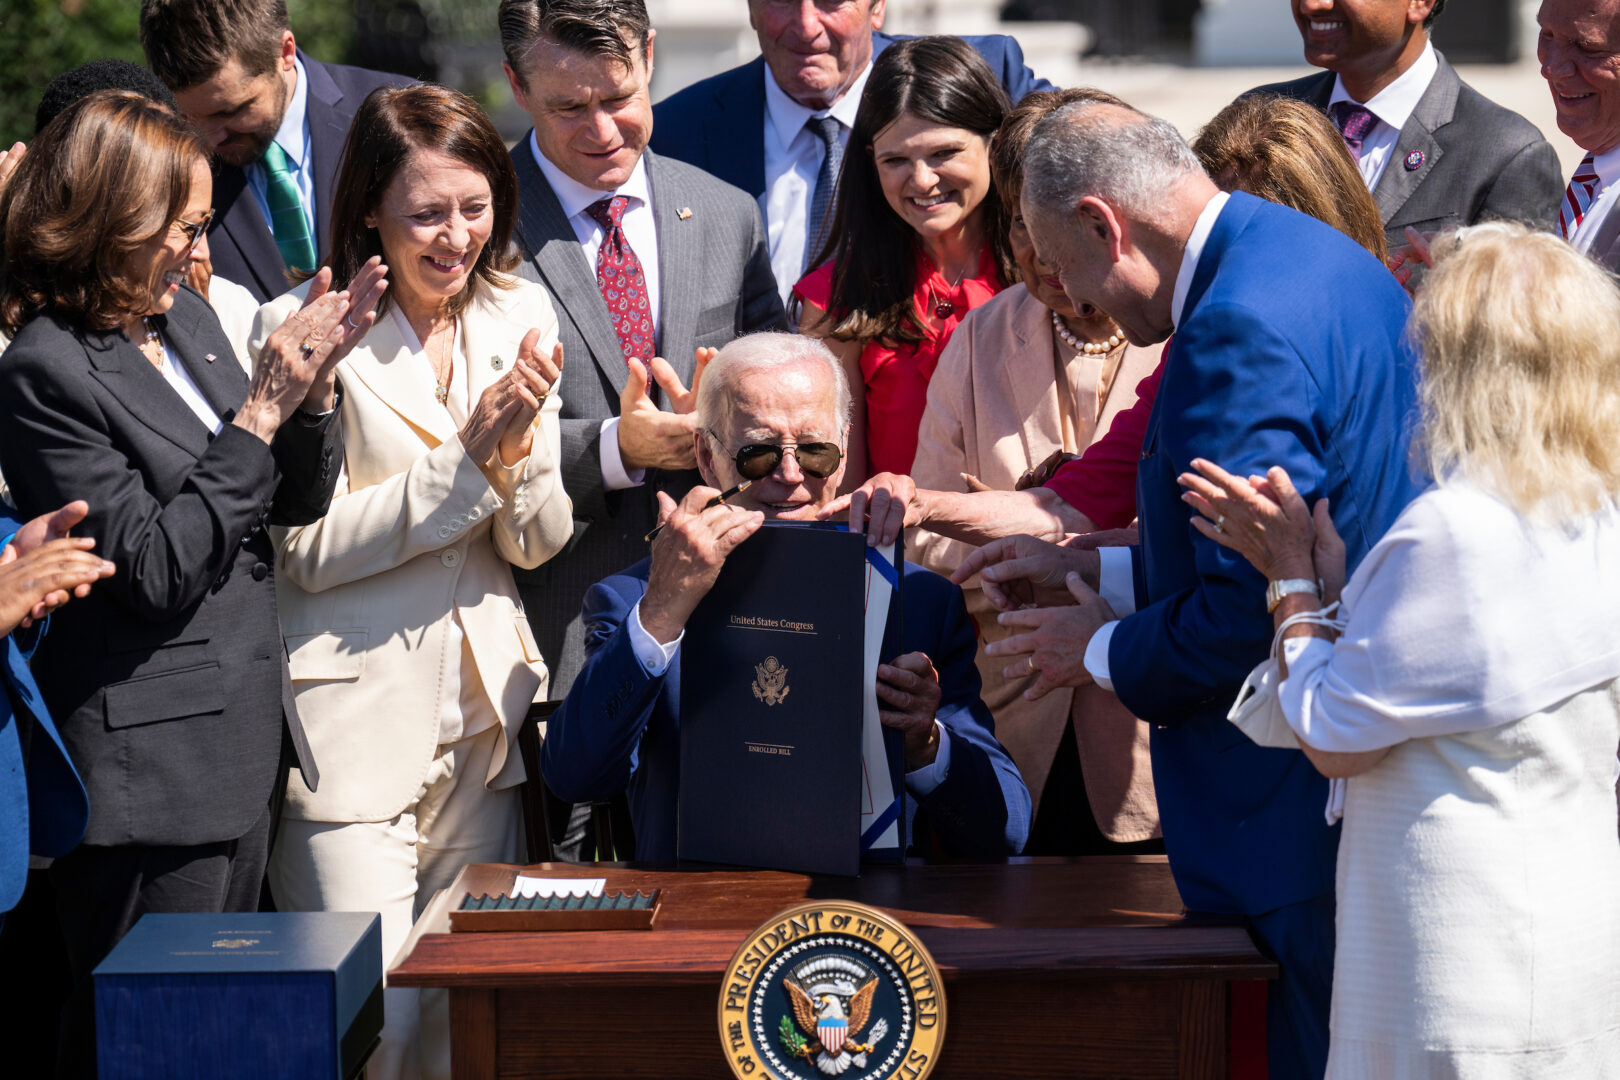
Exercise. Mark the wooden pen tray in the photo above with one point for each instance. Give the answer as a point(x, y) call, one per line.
point(610, 911)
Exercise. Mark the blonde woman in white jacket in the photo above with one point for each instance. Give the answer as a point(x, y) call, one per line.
point(412, 663)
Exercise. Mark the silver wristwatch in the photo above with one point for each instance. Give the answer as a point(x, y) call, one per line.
point(1276, 590)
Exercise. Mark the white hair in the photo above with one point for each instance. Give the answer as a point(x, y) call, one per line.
point(1087, 148)
point(762, 352)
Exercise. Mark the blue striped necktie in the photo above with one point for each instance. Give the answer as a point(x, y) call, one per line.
point(827, 129)
point(289, 223)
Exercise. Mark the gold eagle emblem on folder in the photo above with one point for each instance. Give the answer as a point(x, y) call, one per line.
point(770, 681)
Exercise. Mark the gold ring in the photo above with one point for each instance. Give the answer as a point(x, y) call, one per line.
point(1220, 523)
point(1030, 662)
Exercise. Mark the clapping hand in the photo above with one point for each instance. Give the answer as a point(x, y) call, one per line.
point(649, 437)
point(34, 583)
point(532, 378)
point(1403, 261)
point(502, 422)
point(9, 160)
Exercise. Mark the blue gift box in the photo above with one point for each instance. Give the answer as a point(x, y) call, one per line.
point(267, 995)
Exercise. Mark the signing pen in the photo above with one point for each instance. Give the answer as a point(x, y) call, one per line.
point(716, 501)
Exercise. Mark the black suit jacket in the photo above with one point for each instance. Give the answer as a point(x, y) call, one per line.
point(1474, 160)
point(169, 681)
point(240, 243)
point(715, 284)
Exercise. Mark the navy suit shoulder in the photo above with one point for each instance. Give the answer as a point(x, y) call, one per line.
point(619, 729)
point(718, 123)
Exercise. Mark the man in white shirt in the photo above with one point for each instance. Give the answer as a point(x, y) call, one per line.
point(1434, 152)
point(276, 120)
point(1579, 49)
point(645, 258)
point(777, 127)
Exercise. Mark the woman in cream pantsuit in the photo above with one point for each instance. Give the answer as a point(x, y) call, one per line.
point(411, 659)
point(1026, 375)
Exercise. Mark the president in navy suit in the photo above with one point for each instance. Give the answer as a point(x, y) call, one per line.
point(43, 809)
point(1289, 348)
point(276, 120)
point(777, 126)
point(775, 407)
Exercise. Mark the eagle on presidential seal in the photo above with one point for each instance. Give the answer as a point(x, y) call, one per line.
point(832, 1001)
point(770, 681)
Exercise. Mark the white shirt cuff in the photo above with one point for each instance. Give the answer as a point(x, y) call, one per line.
point(922, 782)
point(654, 656)
point(615, 477)
point(1115, 581)
point(1097, 655)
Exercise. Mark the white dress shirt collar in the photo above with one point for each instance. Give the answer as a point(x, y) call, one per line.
point(576, 197)
point(1193, 252)
point(788, 117)
point(1394, 103)
point(293, 134)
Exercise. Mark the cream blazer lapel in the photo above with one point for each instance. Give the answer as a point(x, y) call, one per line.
point(400, 378)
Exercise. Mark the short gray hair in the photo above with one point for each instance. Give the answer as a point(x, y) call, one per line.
point(763, 351)
point(1087, 149)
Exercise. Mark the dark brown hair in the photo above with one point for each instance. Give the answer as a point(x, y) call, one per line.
point(390, 124)
point(1288, 152)
point(188, 41)
point(1007, 148)
point(942, 80)
point(592, 27)
point(109, 174)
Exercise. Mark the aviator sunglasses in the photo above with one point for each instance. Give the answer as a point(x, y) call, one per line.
point(756, 461)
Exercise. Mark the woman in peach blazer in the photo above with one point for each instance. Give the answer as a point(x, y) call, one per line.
point(413, 665)
point(997, 410)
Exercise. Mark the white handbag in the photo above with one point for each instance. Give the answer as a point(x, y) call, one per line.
point(1257, 712)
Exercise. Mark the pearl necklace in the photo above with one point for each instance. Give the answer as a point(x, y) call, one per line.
point(1100, 348)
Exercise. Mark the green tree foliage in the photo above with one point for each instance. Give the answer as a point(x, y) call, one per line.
point(40, 39)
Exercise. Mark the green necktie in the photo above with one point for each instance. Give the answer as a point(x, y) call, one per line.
point(288, 222)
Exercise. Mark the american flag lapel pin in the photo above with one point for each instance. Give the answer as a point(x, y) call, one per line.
point(210, 357)
point(684, 212)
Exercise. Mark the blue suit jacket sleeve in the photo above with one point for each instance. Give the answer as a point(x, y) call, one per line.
point(981, 810)
point(1006, 59)
point(1245, 401)
point(592, 740)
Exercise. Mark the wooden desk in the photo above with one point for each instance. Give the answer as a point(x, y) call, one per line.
point(1052, 967)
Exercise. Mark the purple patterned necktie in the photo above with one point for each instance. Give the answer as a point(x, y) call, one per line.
point(1353, 122)
point(619, 276)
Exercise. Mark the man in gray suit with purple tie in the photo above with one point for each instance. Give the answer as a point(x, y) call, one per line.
point(1435, 153)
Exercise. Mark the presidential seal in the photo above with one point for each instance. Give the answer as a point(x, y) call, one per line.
point(832, 989)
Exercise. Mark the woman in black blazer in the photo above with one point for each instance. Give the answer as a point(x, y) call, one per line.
point(169, 682)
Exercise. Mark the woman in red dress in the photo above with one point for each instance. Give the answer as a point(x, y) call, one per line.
point(918, 238)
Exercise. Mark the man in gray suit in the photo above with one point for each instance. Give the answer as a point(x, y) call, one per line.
point(1579, 48)
point(646, 258)
point(1434, 152)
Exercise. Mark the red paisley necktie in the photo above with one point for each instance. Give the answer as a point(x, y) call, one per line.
point(619, 276)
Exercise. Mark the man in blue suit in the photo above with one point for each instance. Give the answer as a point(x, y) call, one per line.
point(1289, 350)
point(43, 809)
point(777, 126)
point(775, 407)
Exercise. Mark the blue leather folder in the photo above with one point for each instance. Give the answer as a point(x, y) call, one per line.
point(280, 995)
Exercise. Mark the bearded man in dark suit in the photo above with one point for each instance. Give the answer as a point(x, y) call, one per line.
point(276, 120)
